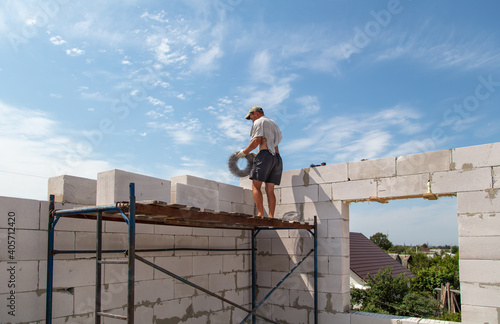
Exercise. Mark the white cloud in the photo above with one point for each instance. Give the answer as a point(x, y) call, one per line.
point(31, 141)
point(75, 52)
point(57, 40)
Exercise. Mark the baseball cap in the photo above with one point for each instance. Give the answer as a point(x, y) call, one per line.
point(253, 109)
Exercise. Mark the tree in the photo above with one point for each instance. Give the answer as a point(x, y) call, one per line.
point(381, 240)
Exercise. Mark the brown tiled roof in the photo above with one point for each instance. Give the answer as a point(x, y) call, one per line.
point(367, 258)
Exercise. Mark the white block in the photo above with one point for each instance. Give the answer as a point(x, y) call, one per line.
point(478, 224)
point(21, 276)
point(489, 271)
point(210, 264)
point(466, 158)
point(333, 246)
point(222, 282)
point(372, 169)
point(475, 202)
point(148, 291)
point(316, 175)
point(196, 196)
point(74, 190)
point(456, 181)
point(478, 294)
point(181, 290)
point(332, 302)
point(69, 274)
point(338, 265)
point(195, 181)
point(424, 162)
point(113, 186)
point(233, 263)
point(479, 314)
point(273, 263)
point(401, 186)
point(25, 213)
point(206, 304)
point(353, 190)
point(178, 265)
point(338, 284)
point(173, 309)
point(479, 248)
point(291, 195)
point(231, 193)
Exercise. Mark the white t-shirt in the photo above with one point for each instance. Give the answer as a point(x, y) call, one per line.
point(265, 127)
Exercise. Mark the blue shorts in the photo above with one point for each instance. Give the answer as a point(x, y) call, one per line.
point(267, 167)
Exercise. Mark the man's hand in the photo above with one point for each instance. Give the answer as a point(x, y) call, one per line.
point(241, 154)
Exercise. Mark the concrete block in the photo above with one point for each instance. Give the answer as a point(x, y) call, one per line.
point(191, 242)
point(222, 282)
point(195, 196)
point(338, 265)
point(479, 314)
point(489, 274)
point(231, 193)
point(65, 223)
point(248, 195)
point(225, 206)
point(22, 274)
point(113, 186)
point(243, 280)
point(173, 310)
point(331, 302)
point(181, 290)
point(210, 264)
point(294, 195)
point(479, 248)
point(333, 246)
point(424, 162)
point(195, 181)
point(32, 245)
point(316, 175)
point(338, 284)
point(74, 190)
point(337, 318)
point(206, 304)
point(466, 158)
point(30, 306)
point(223, 316)
point(478, 224)
point(456, 181)
point(246, 183)
point(291, 315)
point(372, 169)
point(210, 232)
point(114, 273)
point(174, 230)
point(325, 192)
point(149, 291)
point(264, 278)
point(122, 227)
point(475, 202)
point(336, 227)
point(234, 263)
point(178, 265)
point(24, 212)
point(354, 190)
point(480, 294)
point(68, 274)
point(273, 263)
point(402, 186)
point(222, 243)
point(291, 246)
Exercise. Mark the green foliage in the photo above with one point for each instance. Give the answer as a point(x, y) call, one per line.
point(453, 317)
point(432, 272)
point(381, 240)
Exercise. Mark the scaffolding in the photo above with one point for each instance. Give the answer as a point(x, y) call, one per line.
point(161, 213)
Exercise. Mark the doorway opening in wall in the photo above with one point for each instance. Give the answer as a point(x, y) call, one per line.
point(422, 236)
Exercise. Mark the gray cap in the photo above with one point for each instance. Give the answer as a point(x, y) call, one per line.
point(254, 109)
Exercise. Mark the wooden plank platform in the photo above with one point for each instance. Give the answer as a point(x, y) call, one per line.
point(162, 213)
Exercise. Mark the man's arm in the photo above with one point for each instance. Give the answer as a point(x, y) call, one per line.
point(254, 143)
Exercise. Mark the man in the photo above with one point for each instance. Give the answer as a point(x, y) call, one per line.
point(267, 165)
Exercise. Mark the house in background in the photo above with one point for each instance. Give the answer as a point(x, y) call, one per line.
point(367, 258)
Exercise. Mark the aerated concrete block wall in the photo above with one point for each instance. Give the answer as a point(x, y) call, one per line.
point(159, 299)
point(470, 173)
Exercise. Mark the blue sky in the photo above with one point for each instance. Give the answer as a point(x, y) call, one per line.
point(161, 87)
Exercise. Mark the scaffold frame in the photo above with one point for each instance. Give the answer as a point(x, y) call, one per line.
point(160, 213)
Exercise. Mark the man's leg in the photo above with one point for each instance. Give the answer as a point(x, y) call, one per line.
point(271, 198)
point(257, 197)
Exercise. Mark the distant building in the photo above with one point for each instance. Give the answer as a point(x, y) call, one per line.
point(366, 258)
